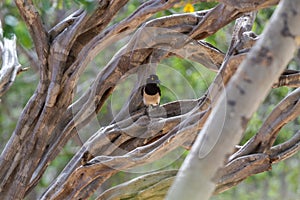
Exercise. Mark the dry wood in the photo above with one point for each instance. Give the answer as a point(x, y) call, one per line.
point(143, 136)
point(249, 86)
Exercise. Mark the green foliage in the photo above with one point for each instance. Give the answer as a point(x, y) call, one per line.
point(13, 102)
point(89, 5)
point(12, 24)
point(189, 79)
point(58, 164)
point(275, 96)
point(262, 19)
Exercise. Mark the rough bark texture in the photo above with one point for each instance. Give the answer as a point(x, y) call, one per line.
point(65, 51)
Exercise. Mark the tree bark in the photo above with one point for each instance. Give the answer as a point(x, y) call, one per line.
point(245, 91)
point(141, 136)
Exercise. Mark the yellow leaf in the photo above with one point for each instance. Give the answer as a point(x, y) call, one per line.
point(188, 8)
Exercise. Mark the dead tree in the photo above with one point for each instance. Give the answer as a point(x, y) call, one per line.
point(138, 136)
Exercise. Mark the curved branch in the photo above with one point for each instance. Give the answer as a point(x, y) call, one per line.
point(142, 187)
point(98, 141)
point(232, 174)
point(122, 63)
point(286, 110)
point(250, 4)
point(239, 169)
point(286, 149)
point(44, 135)
point(64, 77)
point(36, 28)
point(104, 166)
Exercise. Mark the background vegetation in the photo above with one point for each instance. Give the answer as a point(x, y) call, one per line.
point(177, 75)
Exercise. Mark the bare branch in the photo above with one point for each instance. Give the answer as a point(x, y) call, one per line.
point(290, 78)
point(227, 177)
point(102, 167)
point(286, 110)
point(120, 63)
point(248, 4)
point(117, 139)
point(239, 169)
point(142, 187)
point(142, 136)
point(230, 12)
point(36, 28)
point(267, 63)
point(286, 149)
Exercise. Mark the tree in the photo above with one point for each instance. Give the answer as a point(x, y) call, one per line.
point(140, 135)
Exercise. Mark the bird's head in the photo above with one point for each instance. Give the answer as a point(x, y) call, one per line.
point(153, 79)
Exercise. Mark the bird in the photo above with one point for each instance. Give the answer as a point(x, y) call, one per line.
point(151, 92)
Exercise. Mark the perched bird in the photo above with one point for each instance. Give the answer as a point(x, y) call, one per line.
point(151, 91)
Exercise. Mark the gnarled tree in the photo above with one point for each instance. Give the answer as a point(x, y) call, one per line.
point(138, 135)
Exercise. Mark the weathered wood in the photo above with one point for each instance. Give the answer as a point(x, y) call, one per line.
point(244, 92)
point(64, 53)
point(287, 110)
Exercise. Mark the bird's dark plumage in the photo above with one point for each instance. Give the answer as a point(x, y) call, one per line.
point(151, 92)
point(152, 89)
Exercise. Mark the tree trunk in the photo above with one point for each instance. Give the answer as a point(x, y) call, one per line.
point(240, 99)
